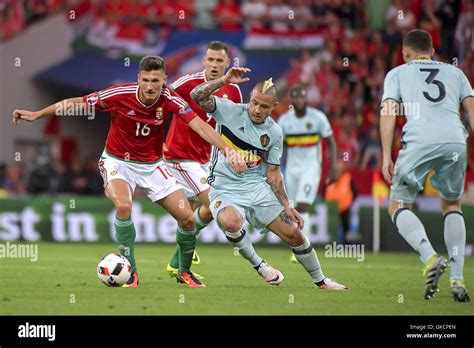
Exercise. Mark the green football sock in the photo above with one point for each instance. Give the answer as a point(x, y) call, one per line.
point(125, 235)
point(186, 240)
point(200, 224)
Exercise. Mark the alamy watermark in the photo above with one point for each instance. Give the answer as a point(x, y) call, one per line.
point(23, 251)
point(411, 110)
point(75, 109)
point(335, 250)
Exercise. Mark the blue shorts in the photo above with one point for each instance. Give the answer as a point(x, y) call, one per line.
point(259, 206)
point(448, 161)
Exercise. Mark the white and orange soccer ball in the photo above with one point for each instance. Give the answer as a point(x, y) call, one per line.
point(114, 270)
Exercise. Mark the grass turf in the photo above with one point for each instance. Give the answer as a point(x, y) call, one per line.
point(64, 282)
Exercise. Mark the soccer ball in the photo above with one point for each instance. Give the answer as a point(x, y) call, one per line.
point(114, 270)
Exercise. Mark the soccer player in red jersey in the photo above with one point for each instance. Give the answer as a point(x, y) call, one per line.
point(187, 154)
point(133, 152)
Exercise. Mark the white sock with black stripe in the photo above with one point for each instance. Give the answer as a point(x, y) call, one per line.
point(307, 257)
point(242, 242)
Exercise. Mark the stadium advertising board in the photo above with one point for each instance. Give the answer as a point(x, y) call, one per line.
point(91, 219)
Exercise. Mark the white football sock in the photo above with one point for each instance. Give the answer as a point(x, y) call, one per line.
point(411, 228)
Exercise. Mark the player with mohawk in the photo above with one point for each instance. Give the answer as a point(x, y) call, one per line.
point(258, 194)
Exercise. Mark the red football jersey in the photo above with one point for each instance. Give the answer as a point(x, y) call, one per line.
point(136, 130)
point(183, 143)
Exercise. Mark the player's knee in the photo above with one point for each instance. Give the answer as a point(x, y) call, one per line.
point(187, 221)
point(231, 222)
point(295, 237)
point(123, 209)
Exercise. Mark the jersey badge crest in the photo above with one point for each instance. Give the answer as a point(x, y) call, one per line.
point(309, 125)
point(159, 116)
point(265, 140)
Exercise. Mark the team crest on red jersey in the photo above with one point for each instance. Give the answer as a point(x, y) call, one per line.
point(159, 116)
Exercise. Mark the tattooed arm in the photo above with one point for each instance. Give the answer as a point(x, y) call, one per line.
point(202, 94)
point(275, 180)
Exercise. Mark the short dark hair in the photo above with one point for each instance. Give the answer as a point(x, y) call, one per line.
point(418, 40)
point(150, 63)
point(217, 46)
point(298, 90)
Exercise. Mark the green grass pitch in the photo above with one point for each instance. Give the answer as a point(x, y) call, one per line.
point(64, 282)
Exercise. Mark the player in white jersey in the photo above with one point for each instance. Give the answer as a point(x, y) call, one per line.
point(429, 94)
point(303, 129)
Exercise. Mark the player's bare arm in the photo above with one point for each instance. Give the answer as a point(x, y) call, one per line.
point(202, 94)
point(275, 180)
point(468, 106)
point(333, 154)
point(387, 126)
point(31, 116)
point(212, 137)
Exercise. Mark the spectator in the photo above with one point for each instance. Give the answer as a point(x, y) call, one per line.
point(401, 14)
point(303, 18)
point(376, 77)
point(254, 12)
point(278, 13)
point(184, 11)
point(204, 18)
point(372, 153)
point(347, 12)
point(320, 10)
point(348, 148)
point(71, 178)
point(14, 180)
point(445, 17)
point(464, 34)
point(12, 19)
point(40, 172)
point(377, 46)
point(344, 192)
point(228, 15)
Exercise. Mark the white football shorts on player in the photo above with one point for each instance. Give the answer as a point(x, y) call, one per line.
point(153, 179)
point(191, 175)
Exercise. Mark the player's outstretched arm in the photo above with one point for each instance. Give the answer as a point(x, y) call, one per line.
point(387, 126)
point(202, 94)
point(212, 137)
point(31, 116)
point(275, 180)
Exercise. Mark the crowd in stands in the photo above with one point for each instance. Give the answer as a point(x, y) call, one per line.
point(344, 79)
point(362, 43)
point(15, 15)
point(50, 177)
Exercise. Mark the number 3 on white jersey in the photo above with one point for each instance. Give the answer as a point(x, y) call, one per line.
point(145, 130)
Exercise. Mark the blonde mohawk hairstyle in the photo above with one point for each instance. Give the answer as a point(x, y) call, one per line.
point(267, 85)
